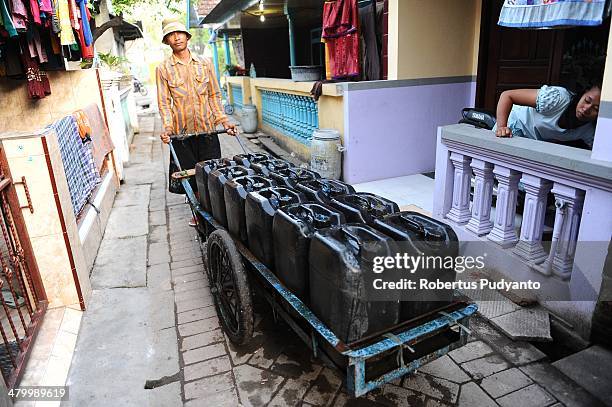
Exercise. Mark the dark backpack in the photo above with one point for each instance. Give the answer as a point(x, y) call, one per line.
point(478, 117)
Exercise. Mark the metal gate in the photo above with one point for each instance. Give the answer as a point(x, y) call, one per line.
point(22, 297)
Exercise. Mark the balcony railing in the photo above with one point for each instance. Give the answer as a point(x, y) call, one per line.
point(294, 115)
point(469, 157)
point(237, 96)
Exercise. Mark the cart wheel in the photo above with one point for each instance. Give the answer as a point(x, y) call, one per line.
point(230, 287)
point(229, 109)
point(204, 250)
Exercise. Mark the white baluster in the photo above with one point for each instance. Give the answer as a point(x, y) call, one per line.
point(460, 209)
point(480, 222)
point(503, 232)
point(530, 245)
point(569, 202)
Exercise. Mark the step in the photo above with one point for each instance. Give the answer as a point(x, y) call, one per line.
point(278, 151)
point(590, 368)
point(516, 322)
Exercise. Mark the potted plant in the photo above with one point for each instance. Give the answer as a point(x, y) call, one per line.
point(231, 69)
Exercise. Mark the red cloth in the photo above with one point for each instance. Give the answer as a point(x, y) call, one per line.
point(38, 83)
point(35, 9)
point(46, 6)
point(87, 52)
point(344, 56)
point(340, 17)
point(340, 32)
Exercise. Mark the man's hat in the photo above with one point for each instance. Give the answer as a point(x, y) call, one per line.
point(170, 25)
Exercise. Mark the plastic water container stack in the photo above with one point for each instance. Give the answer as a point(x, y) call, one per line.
point(319, 237)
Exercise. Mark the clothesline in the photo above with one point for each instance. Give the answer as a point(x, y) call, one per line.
point(36, 36)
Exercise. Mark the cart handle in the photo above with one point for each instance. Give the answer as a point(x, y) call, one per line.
point(185, 136)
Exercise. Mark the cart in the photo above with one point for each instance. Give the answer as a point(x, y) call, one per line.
point(235, 274)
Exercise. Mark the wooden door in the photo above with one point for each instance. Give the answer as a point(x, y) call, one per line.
point(511, 58)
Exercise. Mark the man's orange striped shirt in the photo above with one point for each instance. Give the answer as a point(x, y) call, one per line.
point(188, 95)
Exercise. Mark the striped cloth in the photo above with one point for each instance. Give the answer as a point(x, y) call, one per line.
point(188, 95)
point(78, 161)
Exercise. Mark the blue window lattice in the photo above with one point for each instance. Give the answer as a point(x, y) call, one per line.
point(237, 96)
point(293, 115)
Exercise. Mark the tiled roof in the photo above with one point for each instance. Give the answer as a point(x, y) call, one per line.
point(206, 6)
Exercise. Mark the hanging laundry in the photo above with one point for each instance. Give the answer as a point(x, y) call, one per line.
point(83, 125)
point(7, 21)
point(63, 14)
point(46, 7)
point(551, 13)
point(370, 47)
point(340, 33)
point(35, 10)
point(78, 162)
point(12, 62)
point(55, 21)
point(38, 83)
point(101, 143)
point(74, 14)
point(87, 51)
point(339, 18)
point(55, 59)
point(34, 44)
point(56, 46)
point(85, 17)
point(19, 15)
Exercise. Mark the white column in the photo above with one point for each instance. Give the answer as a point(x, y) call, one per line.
point(503, 232)
point(569, 203)
point(480, 222)
point(460, 208)
point(530, 245)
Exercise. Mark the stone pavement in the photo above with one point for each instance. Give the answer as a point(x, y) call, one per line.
point(152, 322)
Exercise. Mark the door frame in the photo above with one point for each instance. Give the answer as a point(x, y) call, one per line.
point(486, 49)
point(483, 53)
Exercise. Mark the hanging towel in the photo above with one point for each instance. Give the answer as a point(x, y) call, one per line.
point(101, 143)
point(551, 13)
point(78, 162)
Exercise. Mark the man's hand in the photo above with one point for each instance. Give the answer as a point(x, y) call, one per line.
point(165, 137)
point(503, 132)
point(231, 129)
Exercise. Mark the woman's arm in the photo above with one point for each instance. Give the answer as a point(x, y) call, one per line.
point(523, 97)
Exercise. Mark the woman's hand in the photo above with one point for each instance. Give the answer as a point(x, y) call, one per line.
point(503, 132)
point(509, 98)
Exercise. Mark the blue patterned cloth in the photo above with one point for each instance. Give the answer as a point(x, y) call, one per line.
point(552, 13)
point(78, 161)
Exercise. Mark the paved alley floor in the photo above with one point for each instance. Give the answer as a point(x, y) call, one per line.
point(151, 323)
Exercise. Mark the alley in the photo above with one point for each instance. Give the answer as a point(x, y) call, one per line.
point(151, 336)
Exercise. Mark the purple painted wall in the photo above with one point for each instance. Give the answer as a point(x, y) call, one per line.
point(391, 132)
point(602, 146)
